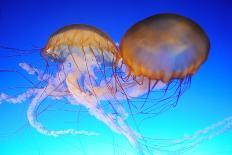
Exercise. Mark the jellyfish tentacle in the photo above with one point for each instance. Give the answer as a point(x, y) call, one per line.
point(19, 98)
point(41, 76)
point(41, 95)
point(182, 145)
point(200, 136)
point(31, 116)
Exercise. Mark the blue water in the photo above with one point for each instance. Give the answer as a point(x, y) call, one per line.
point(28, 24)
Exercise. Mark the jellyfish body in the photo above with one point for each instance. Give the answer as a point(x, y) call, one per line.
point(164, 47)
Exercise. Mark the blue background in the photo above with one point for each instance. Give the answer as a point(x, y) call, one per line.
point(28, 24)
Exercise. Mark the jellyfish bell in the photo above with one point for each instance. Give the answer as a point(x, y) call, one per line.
point(78, 36)
point(164, 47)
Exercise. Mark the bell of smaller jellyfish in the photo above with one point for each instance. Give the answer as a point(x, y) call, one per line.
point(79, 36)
point(164, 47)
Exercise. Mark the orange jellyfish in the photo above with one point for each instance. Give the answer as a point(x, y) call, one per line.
point(165, 47)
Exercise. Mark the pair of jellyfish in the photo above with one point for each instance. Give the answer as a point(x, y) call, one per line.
point(157, 54)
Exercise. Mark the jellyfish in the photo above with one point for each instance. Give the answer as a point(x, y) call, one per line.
point(165, 47)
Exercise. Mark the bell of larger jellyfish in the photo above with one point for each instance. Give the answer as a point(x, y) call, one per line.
point(164, 47)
